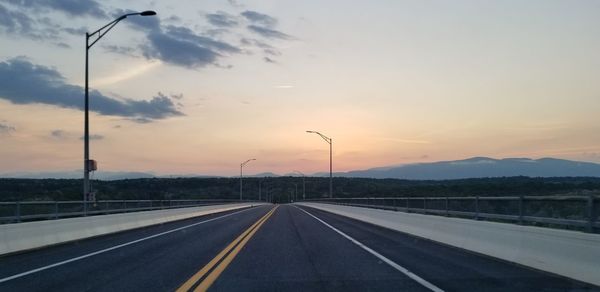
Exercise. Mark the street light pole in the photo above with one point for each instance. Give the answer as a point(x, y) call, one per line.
point(242, 174)
point(303, 184)
point(330, 168)
point(295, 192)
point(86, 128)
point(330, 142)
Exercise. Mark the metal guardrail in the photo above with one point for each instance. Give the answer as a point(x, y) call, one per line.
point(560, 211)
point(14, 212)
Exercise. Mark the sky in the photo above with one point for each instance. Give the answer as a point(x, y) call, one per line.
point(205, 85)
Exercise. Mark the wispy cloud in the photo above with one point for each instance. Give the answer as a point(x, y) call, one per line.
point(94, 137)
point(269, 33)
point(235, 3)
point(267, 49)
point(69, 7)
point(22, 82)
point(168, 39)
point(222, 19)
point(58, 134)
point(28, 18)
point(259, 18)
point(140, 120)
point(126, 74)
point(75, 31)
point(6, 128)
point(121, 50)
point(179, 45)
point(20, 24)
point(63, 45)
point(177, 51)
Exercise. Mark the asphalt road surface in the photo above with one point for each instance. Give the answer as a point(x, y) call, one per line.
point(267, 248)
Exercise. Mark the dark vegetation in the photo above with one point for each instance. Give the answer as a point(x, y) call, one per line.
point(280, 188)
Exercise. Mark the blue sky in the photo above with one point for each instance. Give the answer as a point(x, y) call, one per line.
point(205, 85)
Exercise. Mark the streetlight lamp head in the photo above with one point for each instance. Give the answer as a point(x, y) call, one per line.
point(148, 13)
point(310, 131)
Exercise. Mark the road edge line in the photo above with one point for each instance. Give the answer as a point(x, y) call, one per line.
point(396, 266)
point(114, 247)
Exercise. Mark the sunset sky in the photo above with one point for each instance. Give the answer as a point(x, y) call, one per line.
point(205, 85)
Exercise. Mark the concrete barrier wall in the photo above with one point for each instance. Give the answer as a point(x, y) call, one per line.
point(29, 235)
point(568, 253)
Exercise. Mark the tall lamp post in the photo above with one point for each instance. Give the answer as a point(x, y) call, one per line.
point(295, 192)
point(242, 174)
point(259, 190)
point(303, 184)
point(86, 136)
point(330, 142)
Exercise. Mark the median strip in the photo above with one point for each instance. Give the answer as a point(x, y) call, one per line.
point(204, 278)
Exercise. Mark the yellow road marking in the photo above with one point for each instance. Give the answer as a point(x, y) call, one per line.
point(210, 279)
point(245, 236)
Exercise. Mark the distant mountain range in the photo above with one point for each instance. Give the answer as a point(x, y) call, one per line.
point(476, 167)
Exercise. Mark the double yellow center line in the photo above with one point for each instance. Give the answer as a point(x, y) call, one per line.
point(222, 260)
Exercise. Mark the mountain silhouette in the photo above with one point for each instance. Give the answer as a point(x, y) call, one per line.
point(477, 167)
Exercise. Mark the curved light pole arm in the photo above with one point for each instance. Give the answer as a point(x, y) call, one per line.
point(246, 162)
point(101, 33)
point(112, 24)
point(327, 139)
point(242, 174)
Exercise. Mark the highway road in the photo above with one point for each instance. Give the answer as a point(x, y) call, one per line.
point(267, 248)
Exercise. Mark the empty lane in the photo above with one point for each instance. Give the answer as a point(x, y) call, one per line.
point(157, 264)
point(449, 268)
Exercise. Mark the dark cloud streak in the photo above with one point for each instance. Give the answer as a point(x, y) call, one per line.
point(179, 45)
point(179, 52)
point(269, 33)
point(187, 34)
point(221, 19)
point(21, 23)
point(93, 137)
point(172, 43)
point(58, 134)
point(75, 31)
point(235, 4)
point(259, 18)
point(69, 7)
point(16, 22)
point(6, 128)
point(121, 50)
point(22, 82)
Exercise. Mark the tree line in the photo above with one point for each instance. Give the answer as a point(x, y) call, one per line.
point(282, 189)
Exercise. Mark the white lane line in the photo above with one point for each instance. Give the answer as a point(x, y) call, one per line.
point(114, 247)
point(381, 257)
